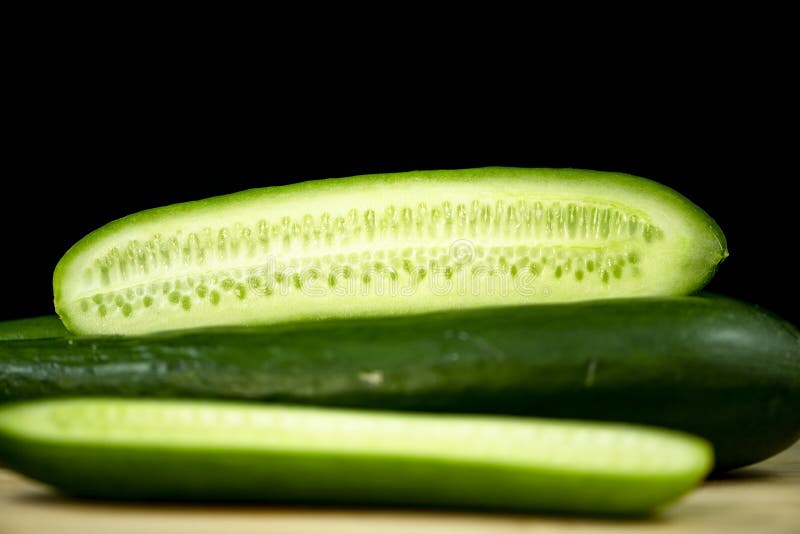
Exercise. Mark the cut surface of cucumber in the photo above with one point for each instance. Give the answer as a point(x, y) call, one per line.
point(155, 449)
point(387, 244)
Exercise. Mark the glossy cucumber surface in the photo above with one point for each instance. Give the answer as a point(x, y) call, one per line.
point(179, 450)
point(398, 244)
point(32, 327)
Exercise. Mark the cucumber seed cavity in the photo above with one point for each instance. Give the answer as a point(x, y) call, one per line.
point(387, 244)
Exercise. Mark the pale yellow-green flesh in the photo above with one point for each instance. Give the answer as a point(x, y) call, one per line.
point(112, 448)
point(354, 248)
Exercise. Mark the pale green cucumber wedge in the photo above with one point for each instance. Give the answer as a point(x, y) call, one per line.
point(45, 326)
point(387, 244)
point(157, 449)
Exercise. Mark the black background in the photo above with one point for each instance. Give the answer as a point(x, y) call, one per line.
point(87, 148)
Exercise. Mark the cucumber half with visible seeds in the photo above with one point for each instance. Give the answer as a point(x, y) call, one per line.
point(111, 448)
point(387, 244)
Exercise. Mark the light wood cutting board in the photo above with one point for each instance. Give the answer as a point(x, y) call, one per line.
point(762, 499)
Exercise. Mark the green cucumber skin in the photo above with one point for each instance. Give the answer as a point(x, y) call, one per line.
point(718, 368)
point(696, 247)
point(45, 326)
point(347, 456)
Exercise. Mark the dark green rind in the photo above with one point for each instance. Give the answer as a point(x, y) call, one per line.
point(46, 326)
point(718, 368)
point(98, 463)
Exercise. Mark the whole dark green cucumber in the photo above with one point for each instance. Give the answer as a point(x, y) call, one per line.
point(396, 244)
point(159, 449)
point(719, 368)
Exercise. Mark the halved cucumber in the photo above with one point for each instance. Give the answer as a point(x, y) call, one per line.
point(149, 449)
point(387, 244)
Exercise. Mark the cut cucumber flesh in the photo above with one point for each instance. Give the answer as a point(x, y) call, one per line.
point(149, 449)
point(387, 244)
point(45, 326)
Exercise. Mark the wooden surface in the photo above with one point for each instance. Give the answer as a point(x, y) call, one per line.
point(762, 499)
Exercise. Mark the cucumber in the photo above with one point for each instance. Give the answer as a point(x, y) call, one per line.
point(184, 450)
point(718, 368)
point(398, 244)
point(32, 327)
